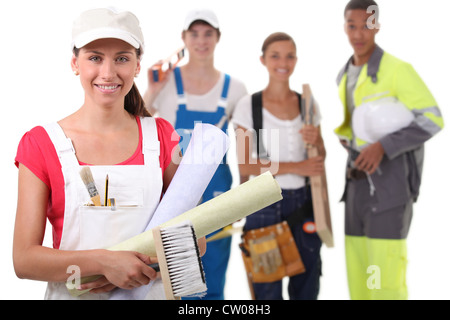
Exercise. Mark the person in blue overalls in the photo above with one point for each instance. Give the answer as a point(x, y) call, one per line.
point(198, 92)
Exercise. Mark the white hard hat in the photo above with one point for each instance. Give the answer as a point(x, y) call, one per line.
point(373, 120)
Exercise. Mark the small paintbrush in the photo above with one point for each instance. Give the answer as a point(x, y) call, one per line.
point(179, 261)
point(88, 179)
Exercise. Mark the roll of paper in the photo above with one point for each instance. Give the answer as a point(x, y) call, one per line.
point(206, 150)
point(208, 217)
point(207, 147)
point(217, 213)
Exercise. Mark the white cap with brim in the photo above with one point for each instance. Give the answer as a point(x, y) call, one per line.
point(202, 15)
point(107, 23)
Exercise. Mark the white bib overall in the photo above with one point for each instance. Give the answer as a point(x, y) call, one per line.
point(136, 189)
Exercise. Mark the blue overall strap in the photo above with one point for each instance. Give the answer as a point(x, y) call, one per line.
point(180, 89)
point(224, 95)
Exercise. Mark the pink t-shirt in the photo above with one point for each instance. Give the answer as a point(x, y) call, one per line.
point(37, 152)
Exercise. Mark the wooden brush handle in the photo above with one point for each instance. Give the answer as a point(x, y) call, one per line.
point(159, 248)
point(96, 200)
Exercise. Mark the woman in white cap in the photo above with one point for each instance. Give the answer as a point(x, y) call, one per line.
point(112, 134)
point(198, 92)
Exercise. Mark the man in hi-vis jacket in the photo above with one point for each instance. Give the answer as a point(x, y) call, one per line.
point(383, 176)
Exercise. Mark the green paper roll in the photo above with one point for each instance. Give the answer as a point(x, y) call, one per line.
point(212, 215)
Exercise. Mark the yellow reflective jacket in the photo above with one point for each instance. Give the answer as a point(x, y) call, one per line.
point(387, 76)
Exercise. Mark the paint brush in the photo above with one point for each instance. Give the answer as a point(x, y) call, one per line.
point(179, 261)
point(88, 179)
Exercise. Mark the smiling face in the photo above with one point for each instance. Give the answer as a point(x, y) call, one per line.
point(201, 40)
point(360, 35)
point(280, 59)
point(107, 68)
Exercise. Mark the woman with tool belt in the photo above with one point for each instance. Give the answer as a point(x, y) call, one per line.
point(198, 92)
point(284, 137)
point(114, 136)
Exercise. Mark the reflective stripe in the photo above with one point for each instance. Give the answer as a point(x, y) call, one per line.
point(430, 124)
point(376, 96)
point(434, 110)
point(407, 87)
point(429, 119)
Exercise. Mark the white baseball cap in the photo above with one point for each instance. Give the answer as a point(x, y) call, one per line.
point(203, 15)
point(105, 23)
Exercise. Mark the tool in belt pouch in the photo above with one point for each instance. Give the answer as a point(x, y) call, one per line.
point(270, 253)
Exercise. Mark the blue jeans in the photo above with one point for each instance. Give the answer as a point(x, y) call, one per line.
point(304, 286)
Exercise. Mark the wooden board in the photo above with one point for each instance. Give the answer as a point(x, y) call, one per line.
point(319, 188)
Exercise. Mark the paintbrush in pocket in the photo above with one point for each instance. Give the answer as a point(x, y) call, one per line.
point(179, 261)
point(88, 179)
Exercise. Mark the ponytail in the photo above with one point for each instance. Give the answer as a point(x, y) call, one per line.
point(134, 103)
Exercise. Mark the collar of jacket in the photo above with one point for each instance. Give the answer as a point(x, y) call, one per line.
point(373, 65)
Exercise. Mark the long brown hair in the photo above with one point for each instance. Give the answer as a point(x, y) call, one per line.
point(133, 103)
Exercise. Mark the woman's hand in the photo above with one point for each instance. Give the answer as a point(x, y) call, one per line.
point(311, 135)
point(123, 269)
point(311, 167)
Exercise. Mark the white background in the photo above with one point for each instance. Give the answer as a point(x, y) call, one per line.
point(37, 86)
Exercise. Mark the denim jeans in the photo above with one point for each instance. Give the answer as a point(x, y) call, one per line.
point(304, 286)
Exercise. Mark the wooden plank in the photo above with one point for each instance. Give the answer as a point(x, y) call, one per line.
point(319, 188)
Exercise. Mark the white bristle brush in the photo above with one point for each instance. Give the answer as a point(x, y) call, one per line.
point(179, 261)
point(88, 179)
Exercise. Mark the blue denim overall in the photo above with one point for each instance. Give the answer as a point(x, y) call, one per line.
point(304, 286)
point(215, 261)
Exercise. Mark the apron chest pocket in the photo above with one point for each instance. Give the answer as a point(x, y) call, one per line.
point(100, 227)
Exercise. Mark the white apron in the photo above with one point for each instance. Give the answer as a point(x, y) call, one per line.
point(136, 189)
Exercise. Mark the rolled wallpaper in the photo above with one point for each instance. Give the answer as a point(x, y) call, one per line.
point(205, 152)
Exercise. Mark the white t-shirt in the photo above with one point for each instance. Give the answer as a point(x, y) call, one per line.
point(166, 103)
point(352, 78)
point(281, 138)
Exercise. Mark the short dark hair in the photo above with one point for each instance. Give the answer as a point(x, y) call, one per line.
point(275, 37)
point(359, 5)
